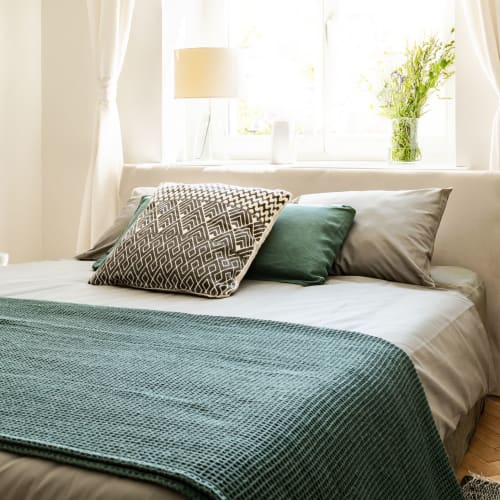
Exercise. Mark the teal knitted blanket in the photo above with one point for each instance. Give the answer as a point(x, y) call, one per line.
point(217, 407)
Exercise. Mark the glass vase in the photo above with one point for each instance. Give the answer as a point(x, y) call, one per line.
point(404, 140)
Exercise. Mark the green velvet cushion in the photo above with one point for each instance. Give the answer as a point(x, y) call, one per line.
point(303, 244)
point(138, 211)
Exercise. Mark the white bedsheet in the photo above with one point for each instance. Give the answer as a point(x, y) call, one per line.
point(440, 330)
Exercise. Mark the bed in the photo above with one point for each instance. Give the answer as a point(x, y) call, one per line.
point(442, 330)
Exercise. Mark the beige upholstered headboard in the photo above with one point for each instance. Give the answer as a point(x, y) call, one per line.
point(469, 234)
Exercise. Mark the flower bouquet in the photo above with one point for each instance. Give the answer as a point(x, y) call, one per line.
point(405, 92)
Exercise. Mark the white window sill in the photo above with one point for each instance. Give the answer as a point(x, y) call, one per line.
point(363, 165)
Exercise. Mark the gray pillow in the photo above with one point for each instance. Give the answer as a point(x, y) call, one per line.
point(108, 239)
point(393, 234)
point(194, 238)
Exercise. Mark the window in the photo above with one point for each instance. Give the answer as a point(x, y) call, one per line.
point(282, 63)
point(313, 62)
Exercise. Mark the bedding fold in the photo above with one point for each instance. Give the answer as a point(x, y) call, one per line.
point(217, 407)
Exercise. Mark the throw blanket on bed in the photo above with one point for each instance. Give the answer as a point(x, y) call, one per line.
point(217, 407)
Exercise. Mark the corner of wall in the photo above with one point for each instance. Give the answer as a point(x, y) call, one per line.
point(68, 96)
point(20, 130)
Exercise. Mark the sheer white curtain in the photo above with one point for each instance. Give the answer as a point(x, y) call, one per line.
point(483, 19)
point(109, 23)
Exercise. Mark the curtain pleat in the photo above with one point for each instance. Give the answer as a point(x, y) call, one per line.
point(109, 23)
point(483, 20)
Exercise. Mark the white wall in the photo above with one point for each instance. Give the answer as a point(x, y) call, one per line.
point(140, 88)
point(67, 120)
point(20, 130)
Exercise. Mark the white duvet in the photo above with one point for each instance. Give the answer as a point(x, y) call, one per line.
point(440, 330)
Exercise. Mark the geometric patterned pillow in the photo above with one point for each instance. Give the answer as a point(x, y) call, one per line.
point(194, 238)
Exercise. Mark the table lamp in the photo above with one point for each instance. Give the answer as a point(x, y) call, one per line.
point(208, 73)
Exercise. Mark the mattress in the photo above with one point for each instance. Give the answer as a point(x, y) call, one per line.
point(441, 330)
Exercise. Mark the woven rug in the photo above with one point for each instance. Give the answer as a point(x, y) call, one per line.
point(478, 488)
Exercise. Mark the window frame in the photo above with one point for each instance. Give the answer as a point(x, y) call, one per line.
point(344, 147)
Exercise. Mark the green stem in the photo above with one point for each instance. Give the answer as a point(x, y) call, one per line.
point(404, 145)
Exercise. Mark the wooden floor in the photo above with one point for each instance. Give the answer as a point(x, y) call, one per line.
point(483, 457)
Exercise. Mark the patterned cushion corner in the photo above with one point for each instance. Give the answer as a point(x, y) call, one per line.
point(194, 238)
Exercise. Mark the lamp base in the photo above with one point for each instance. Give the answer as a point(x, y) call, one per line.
point(206, 143)
point(205, 133)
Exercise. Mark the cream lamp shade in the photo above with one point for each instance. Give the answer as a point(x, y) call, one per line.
point(206, 72)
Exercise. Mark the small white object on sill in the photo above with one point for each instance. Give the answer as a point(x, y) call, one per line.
point(4, 259)
point(283, 142)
